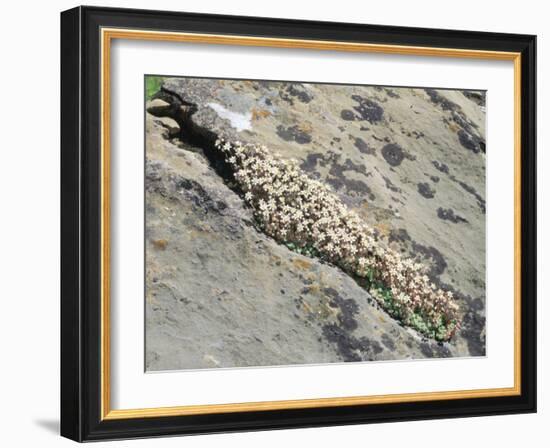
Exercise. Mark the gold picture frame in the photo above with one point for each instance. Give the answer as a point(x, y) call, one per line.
point(108, 30)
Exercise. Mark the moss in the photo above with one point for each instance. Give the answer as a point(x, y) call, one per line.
point(152, 86)
point(306, 249)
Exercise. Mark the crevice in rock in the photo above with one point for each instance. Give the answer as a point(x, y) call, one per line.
point(182, 112)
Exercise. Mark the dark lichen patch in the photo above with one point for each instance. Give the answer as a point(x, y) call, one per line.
point(299, 91)
point(441, 101)
point(370, 346)
point(347, 115)
point(220, 206)
point(434, 179)
point(397, 201)
point(201, 195)
point(348, 308)
point(152, 174)
point(470, 141)
point(393, 154)
point(426, 350)
point(346, 344)
point(363, 147)
point(193, 192)
point(293, 133)
point(319, 159)
point(409, 156)
point(442, 350)
point(440, 166)
point(350, 348)
point(445, 169)
point(426, 190)
point(400, 235)
point(339, 180)
point(448, 214)
point(367, 109)
point(473, 330)
point(391, 93)
point(352, 186)
point(434, 351)
point(348, 165)
point(477, 304)
point(477, 96)
point(310, 163)
point(295, 91)
point(479, 199)
point(390, 186)
point(388, 342)
point(467, 132)
point(466, 124)
point(434, 258)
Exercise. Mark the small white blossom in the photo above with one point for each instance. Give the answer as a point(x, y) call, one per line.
point(291, 207)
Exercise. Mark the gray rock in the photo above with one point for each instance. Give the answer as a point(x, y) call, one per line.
point(158, 107)
point(219, 293)
point(214, 282)
point(170, 125)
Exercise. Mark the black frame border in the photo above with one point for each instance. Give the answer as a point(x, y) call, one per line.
point(81, 223)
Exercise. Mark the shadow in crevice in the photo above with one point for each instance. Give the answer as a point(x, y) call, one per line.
point(191, 133)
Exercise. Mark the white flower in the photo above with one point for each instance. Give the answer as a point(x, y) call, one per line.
point(284, 198)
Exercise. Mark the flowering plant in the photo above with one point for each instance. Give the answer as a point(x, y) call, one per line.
point(307, 216)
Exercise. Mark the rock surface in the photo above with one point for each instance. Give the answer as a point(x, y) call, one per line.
point(222, 294)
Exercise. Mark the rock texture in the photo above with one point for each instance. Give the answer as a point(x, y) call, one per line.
point(222, 294)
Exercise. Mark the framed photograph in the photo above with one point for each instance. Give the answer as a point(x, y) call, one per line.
point(273, 223)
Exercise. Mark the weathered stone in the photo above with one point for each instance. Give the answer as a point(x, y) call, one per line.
point(158, 107)
point(172, 127)
point(196, 323)
point(221, 293)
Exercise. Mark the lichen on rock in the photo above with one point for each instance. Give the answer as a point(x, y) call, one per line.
point(213, 287)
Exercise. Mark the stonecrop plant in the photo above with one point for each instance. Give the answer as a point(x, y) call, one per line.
point(309, 218)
